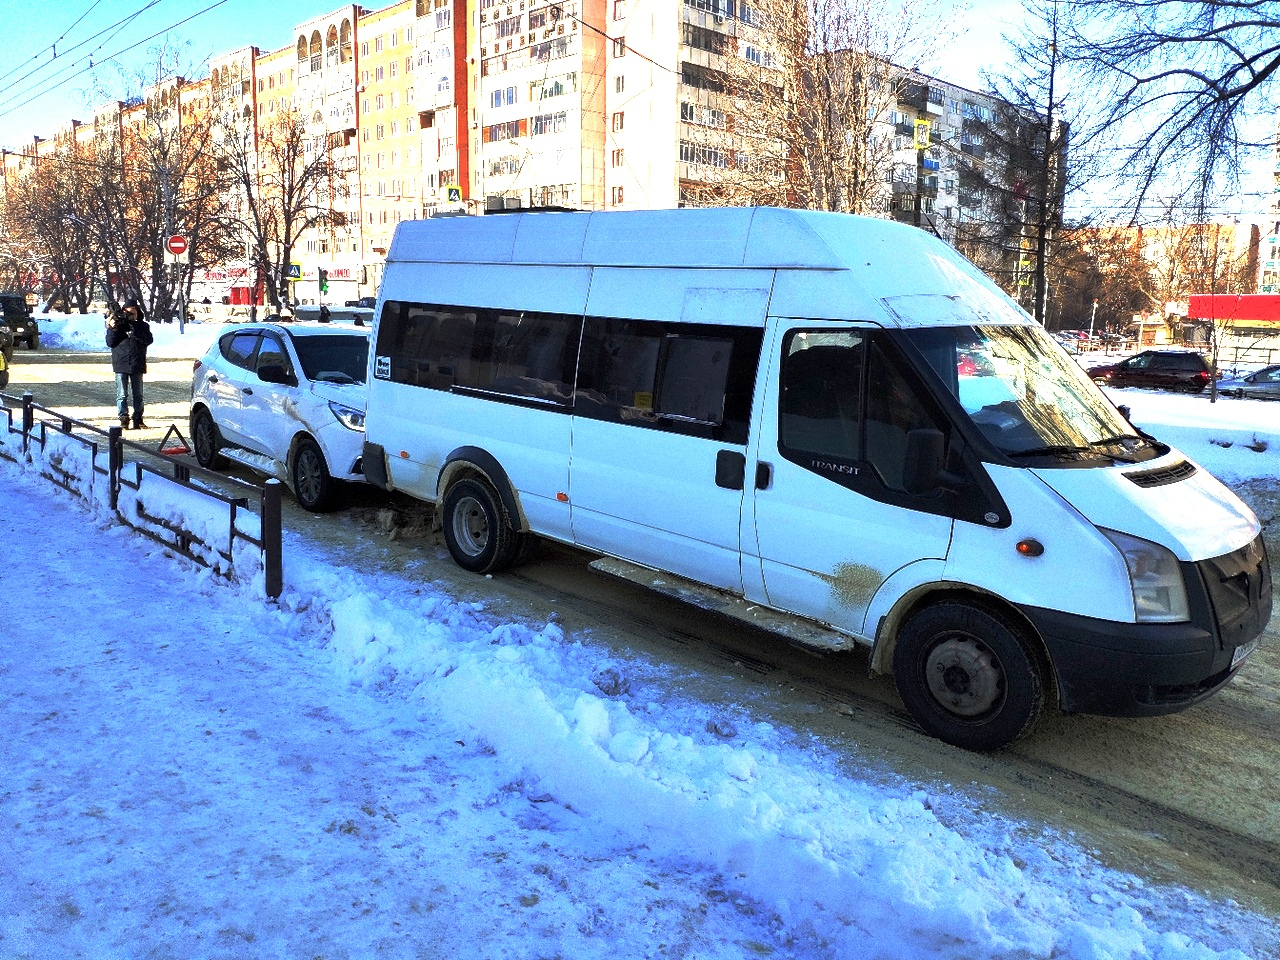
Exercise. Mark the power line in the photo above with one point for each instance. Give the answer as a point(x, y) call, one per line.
point(53, 47)
point(118, 26)
point(112, 56)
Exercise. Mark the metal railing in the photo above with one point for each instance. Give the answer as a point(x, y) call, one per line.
point(127, 464)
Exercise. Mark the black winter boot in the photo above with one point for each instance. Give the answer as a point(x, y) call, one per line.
point(138, 424)
point(124, 423)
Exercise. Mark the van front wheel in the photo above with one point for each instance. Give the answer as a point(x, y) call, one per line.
point(476, 529)
point(968, 676)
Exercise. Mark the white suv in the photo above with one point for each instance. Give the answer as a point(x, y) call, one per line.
point(287, 400)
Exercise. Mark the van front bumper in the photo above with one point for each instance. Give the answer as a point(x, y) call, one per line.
point(1145, 669)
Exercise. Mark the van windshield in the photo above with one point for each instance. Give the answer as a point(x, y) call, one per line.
point(1027, 395)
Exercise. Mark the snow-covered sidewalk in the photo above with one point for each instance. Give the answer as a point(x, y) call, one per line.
point(375, 768)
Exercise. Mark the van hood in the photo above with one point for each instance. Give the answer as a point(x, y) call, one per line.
point(353, 395)
point(1171, 501)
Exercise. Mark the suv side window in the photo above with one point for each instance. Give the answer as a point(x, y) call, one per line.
point(238, 348)
point(1140, 362)
point(272, 351)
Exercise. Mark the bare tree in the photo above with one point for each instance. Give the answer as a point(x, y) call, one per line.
point(1176, 82)
point(1024, 174)
point(44, 208)
point(288, 180)
point(794, 100)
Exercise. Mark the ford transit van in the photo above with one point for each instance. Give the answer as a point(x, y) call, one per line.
point(833, 426)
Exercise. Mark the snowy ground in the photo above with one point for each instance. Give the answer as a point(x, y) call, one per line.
point(375, 767)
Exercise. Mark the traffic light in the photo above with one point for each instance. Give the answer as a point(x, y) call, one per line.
point(324, 280)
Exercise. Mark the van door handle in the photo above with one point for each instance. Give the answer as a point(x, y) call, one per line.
point(764, 475)
point(731, 469)
point(248, 391)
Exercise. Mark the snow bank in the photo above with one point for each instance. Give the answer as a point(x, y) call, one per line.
point(87, 332)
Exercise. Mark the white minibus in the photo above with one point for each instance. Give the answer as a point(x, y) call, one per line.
point(830, 425)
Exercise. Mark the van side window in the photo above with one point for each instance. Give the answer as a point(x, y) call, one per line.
point(895, 405)
point(695, 379)
point(510, 352)
point(821, 406)
point(846, 406)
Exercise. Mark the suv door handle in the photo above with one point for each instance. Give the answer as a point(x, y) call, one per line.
point(764, 475)
point(213, 378)
point(248, 391)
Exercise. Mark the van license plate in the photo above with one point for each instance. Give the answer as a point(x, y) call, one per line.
point(1242, 652)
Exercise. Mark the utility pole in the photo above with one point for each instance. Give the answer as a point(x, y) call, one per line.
point(1046, 164)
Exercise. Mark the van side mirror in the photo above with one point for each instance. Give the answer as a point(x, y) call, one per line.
point(922, 461)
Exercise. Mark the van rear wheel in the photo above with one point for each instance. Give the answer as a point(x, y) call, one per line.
point(477, 531)
point(968, 676)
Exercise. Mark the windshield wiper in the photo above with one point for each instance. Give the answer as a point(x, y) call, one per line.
point(1051, 450)
point(1119, 438)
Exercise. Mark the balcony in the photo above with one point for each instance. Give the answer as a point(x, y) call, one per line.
point(913, 95)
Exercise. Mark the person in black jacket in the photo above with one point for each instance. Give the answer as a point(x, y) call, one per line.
point(128, 336)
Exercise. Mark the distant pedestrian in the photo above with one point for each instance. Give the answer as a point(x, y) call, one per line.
point(128, 336)
point(324, 313)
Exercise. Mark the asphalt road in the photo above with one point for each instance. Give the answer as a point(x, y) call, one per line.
point(1192, 798)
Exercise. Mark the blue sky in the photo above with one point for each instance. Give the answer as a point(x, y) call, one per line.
point(38, 92)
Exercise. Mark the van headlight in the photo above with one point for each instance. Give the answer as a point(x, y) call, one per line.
point(349, 417)
point(1159, 592)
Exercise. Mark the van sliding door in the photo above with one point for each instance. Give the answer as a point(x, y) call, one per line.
point(659, 444)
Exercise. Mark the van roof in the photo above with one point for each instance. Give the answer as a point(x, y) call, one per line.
point(905, 271)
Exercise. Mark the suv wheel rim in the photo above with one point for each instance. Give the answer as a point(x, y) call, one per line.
point(308, 476)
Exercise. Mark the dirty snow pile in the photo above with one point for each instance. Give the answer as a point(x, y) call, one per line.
point(372, 766)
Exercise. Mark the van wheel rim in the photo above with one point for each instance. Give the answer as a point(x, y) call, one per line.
point(470, 526)
point(964, 676)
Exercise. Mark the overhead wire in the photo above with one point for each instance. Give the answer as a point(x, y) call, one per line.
point(112, 56)
point(117, 27)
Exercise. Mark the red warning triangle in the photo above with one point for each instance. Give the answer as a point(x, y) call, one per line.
point(174, 444)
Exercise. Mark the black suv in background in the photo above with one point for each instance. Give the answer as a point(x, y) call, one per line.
point(1166, 369)
point(15, 315)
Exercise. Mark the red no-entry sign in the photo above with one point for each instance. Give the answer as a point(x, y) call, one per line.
point(177, 244)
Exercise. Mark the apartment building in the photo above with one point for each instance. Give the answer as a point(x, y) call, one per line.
point(434, 105)
point(1269, 265)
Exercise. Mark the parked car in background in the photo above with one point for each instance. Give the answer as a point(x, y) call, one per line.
point(287, 401)
point(16, 317)
point(1182, 370)
point(1264, 384)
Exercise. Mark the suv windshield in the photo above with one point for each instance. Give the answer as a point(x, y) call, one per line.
point(1027, 395)
point(336, 358)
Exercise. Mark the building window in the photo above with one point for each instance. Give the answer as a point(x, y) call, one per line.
point(617, 121)
point(380, 133)
point(616, 196)
point(377, 44)
point(364, 49)
point(443, 18)
point(617, 158)
point(619, 83)
point(620, 46)
point(504, 97)
point(619, 9)
point(393, 68)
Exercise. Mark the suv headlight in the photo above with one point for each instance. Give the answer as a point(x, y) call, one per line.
point(349, 417)
point(1159, 592)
